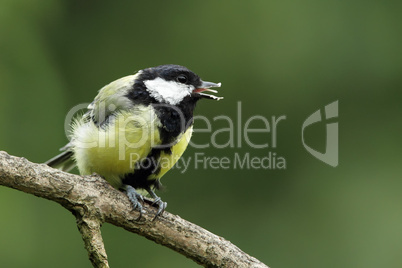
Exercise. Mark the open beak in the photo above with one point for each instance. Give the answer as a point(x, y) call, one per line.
point(206, 86)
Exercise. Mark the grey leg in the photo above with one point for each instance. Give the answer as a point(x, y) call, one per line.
point(159, 203)
point(135, 198)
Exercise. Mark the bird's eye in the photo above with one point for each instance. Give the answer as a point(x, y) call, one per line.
point(181, 78)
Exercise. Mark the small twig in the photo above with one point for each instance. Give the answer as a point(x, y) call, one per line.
point(93, 201)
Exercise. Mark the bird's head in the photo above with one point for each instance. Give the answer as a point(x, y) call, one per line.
point(172, 83)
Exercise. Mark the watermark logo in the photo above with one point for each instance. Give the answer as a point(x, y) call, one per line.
point(130, 135)
point(330, 156)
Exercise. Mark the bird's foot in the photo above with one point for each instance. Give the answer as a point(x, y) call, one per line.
point(135, 198)
point(161, 206)
point(158, 203)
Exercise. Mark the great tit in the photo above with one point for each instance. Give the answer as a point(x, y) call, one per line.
point(136, 129)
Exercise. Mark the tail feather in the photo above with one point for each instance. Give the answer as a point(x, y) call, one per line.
point(63, 161)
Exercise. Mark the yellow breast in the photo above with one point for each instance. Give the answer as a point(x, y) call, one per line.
point(129, 137)
point(167, 161)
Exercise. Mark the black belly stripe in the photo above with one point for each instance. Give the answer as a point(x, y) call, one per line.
point(144, 169)
point(175, 120)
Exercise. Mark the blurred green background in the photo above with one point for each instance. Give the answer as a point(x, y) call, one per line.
point(276, 57)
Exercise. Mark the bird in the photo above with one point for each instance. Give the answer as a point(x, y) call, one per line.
point(136, 129)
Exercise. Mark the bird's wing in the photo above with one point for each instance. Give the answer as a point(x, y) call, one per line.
point(111, 99)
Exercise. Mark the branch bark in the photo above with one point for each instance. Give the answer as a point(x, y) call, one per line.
point(93, 201)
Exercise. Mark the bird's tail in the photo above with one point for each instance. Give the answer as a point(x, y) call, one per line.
point(63, 161)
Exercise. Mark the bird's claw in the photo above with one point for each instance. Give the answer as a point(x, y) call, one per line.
point(136, 199)
point(161, 207)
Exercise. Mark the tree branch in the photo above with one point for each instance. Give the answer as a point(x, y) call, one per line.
point(93, 201)
point(91, 234)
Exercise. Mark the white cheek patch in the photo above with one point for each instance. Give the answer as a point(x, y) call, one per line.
point(168, 91)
